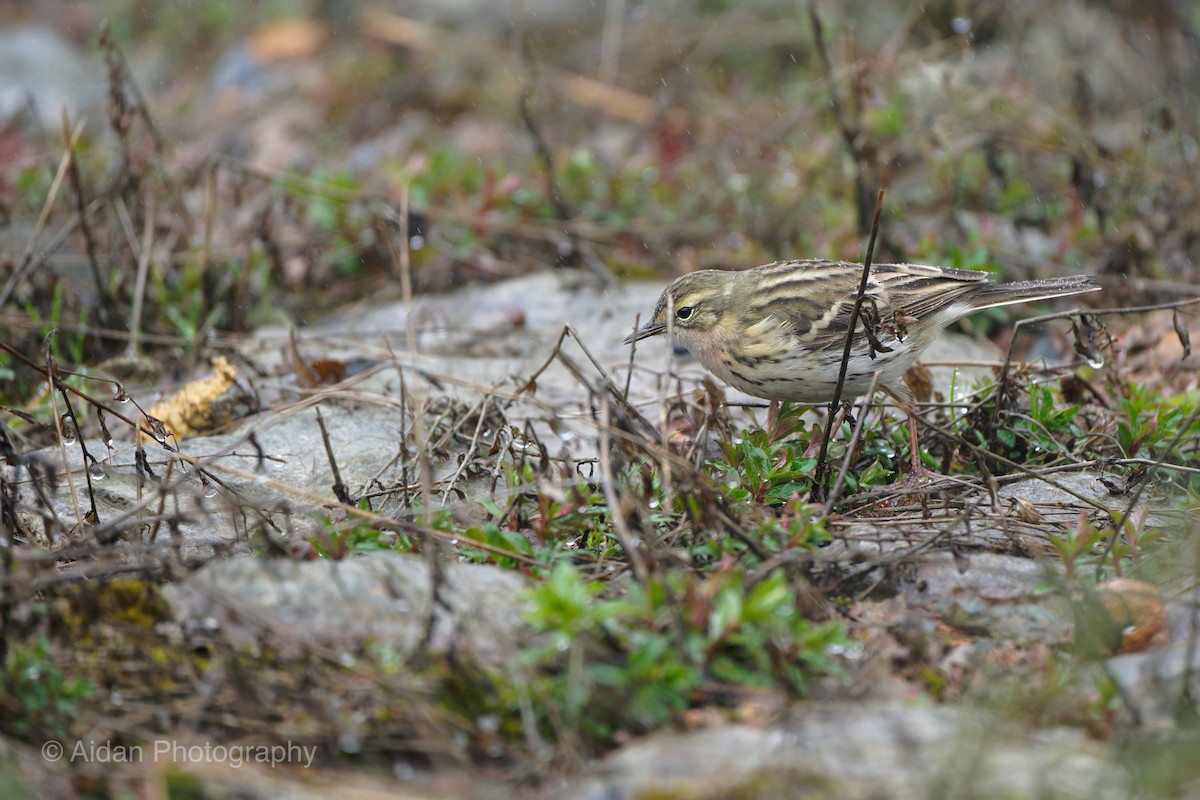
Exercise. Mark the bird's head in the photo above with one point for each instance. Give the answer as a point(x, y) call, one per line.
point(696, 304)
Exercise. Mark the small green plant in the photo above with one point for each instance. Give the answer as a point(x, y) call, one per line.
point(1153, 425)
point(633, 662)
point(1075, 544)
point(575, 517)
point(47, 701)
point(755, 635)
point(495, 535)
point(607, 663)
point(1048, 430)
point(67, 347)
point(761, 471)
point(338, 542)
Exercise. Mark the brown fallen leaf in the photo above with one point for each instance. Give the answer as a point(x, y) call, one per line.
point(288, 40)
point(919, 381)
point(612, 100)
point(1185, 336)
point(397, 30)
point(1024, 510)
point(311, 373)
point(1137, 607)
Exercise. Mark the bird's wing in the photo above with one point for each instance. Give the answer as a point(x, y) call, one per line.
point(817, 298)
point(919, 291)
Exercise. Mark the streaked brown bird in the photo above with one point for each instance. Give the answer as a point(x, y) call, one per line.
point(778, 331)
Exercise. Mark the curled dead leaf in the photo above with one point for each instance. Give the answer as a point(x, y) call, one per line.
point(1185, 336)
point(1024, 510)
point(1137, 607)
point(919, 381)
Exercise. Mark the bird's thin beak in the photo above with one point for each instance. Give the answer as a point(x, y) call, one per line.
point(649, 329)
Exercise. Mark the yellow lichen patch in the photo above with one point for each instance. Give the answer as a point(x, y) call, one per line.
point(76, 609)
point(204, 404)
point(132, 601)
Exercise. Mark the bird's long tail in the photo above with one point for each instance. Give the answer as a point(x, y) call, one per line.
point(1003, 294)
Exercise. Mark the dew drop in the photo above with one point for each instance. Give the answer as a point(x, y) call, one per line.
point(97, 471)
point(68, 437)
point(1095, 362)
point(210, 490)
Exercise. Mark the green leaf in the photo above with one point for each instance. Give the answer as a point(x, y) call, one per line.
point(726, 613)
point(876, 473)
point(784, 491)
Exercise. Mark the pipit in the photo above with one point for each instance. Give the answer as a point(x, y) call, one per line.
point(778, 331)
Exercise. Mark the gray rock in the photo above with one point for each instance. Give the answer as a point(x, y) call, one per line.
point(40, 69)
point(385, 597)
point(861, 751)
point(989, 593)
point(1060, 490)
point(290, 484)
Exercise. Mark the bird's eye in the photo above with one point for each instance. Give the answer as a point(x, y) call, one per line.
point(684, 313)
